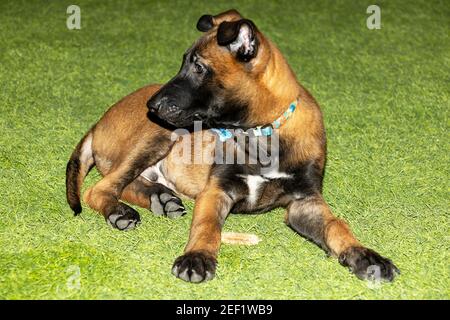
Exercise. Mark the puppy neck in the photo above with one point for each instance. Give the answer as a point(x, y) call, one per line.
point(277, 84)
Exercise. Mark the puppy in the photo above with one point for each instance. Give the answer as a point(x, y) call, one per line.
point(238, 84)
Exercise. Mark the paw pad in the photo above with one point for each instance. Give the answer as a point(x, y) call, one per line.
point(123, 217)
point(194, 267)
point(167, 204)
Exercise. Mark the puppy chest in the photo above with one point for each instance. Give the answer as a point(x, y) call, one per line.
point(255, 188)
point(262, 192)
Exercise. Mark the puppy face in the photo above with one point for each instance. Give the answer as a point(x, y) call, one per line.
point(216, 77)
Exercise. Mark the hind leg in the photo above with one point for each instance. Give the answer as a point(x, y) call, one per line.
point(104, 195)
point(156, 197)
point(312, 218)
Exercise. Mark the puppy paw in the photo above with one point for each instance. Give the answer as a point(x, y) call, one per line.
point(167, 204)
point(123, 217)
point(366, 264)
point(194, 267)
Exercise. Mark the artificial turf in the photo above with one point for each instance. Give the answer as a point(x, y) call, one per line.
point(385, 98)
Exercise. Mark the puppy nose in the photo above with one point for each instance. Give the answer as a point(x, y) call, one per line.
point(154, 106)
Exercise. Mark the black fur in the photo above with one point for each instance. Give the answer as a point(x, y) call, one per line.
point(72, 171)
point(307, 221)
point(366, 264)
point(191, 96)
point(72, 177)
point(186, 97)
point(307, 179)
point(194, 267)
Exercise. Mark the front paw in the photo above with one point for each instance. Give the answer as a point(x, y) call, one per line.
point(194, 267)
point(366, 264)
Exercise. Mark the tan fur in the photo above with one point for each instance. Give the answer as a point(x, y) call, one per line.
point(123, 128)
point(117, 140)
point(191, 178)
point(211, 208)
point(338, 236)
point(229, 15)
point(133, 193)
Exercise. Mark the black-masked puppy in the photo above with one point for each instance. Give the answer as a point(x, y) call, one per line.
point(232, 77)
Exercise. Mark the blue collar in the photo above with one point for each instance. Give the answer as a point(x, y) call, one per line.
point(265, 130)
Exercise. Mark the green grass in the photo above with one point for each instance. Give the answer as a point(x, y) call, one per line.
point(385, 97)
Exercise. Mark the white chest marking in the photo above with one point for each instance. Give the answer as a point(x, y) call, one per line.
point(254, 183)
point(275, 174)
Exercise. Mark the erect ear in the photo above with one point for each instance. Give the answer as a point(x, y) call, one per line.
point(240, 38)
point(207, 21)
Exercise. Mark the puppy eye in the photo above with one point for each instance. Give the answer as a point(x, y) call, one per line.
point(198, 68)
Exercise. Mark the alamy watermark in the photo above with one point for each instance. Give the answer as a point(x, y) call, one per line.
point(239, 147)
point(374, 20)
point(73, 21)
point(73, 282)
point(374, 277)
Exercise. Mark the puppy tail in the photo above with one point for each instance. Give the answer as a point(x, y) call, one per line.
point(79, 165)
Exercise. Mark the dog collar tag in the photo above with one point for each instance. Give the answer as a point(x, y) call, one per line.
point(266, 130)
point(223, 134)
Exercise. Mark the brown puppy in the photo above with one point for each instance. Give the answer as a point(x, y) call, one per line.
point(232, 77)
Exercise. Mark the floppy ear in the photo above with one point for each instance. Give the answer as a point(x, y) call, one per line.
point(207, 21)
point(239, 37)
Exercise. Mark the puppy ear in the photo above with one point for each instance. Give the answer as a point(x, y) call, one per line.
point(239, 37)
point(207, 21)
